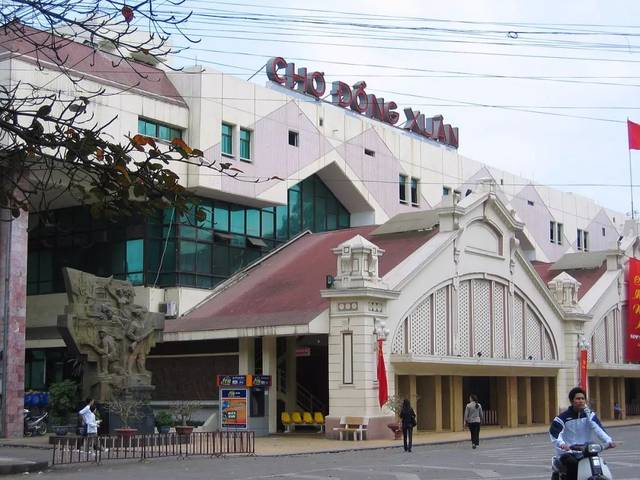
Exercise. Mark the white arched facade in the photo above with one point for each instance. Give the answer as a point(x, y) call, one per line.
point(481, 318)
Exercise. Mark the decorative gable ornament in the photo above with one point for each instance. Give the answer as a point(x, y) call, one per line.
point(357, 264)
point(564, 289)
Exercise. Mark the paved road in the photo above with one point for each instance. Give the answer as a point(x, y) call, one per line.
point(518, 458)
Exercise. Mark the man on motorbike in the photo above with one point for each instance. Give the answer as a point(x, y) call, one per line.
point(576, 425)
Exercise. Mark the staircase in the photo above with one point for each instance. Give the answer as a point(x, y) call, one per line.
point(305, 400)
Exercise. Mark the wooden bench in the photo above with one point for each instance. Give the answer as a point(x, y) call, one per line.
point(354, 425)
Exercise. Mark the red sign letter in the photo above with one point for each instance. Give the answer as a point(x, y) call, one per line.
point(273, 65)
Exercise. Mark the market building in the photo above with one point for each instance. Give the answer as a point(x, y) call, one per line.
point(484, 285)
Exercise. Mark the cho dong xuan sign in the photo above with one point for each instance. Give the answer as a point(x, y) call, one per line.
point(357, 99)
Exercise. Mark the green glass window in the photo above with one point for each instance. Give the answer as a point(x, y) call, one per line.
point(245, 144)
point(321, 215)
point(253, 222)
point(158, 130)
point(188, 256)
point(221, 217)
point(204, 258)
point(221, 260)
point(267, 222)
point(226, 143)
point(307, 206)
point(237, 219)
point(414, 191)
point(135, 261)
point(294, 212)
point(281, 222)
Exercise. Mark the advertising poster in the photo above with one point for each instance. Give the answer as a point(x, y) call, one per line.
point(234, 408)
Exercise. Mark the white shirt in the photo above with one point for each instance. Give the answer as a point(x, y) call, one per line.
point(89, 419)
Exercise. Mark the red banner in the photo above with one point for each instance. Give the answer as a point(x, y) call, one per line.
point(383, 389)
point(583, 369)
point(632, 332)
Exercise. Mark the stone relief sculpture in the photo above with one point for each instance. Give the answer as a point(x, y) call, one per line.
point(104, 326)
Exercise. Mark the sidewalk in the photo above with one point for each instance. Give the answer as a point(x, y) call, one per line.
point(306, 443)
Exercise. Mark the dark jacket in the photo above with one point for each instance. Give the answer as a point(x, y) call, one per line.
point(408, 418)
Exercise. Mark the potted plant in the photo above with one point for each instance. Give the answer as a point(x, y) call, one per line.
point(183, 409)
point(63, 398)
point(164, 421)
point(394, 403)
point(126, 409)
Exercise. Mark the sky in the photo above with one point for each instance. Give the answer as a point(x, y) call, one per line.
point(563, 125)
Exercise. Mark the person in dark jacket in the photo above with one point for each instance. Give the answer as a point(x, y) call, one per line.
point(473, 419)
point(408, 419)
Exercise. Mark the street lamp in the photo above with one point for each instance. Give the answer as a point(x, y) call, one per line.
point(380, 329)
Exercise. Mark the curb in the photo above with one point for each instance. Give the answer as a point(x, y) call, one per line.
point(22, 466)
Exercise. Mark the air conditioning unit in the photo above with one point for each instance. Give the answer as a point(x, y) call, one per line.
point(170, 309)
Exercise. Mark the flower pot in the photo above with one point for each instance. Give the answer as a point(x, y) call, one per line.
point(163, 428)
point(184, 429)
point(126, 432)
point(396, 429)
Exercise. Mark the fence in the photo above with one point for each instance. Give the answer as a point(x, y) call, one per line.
point(490, 417)
point(140, 447)
point(633, 409)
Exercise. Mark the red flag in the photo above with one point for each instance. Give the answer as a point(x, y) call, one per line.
point(634, 135)
point(632, 332)
point(383, 389)
point(583, 369)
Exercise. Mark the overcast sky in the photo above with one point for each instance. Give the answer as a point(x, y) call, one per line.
point(420, 39)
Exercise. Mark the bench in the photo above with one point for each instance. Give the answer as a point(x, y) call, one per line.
point(354, 425)
point(306, 419)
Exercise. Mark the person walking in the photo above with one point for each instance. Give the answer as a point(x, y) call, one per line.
point(473, 419)
point(408, 419)
point(90, 423)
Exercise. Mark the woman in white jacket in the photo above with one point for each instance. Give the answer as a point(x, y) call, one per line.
point(473, 419)
point(90, 422)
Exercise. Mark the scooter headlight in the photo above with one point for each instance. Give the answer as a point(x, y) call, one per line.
point(594, 448)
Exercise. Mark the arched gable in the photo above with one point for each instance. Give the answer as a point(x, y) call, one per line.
point(475, 318)
point(606, 343)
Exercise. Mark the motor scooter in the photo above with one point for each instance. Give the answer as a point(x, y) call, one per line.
point(591, 466)
point(35, 424)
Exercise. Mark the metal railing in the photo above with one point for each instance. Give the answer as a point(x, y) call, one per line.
point(633, 409)
point(490, 417)
point(141, 447)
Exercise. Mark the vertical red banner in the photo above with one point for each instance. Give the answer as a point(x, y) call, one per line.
point(632, 332)
point(383, 391)
point(583, 369)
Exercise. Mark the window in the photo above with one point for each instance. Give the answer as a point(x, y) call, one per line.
point(370, 153)
point(560, 233)
point(583, 240)
point(321, 121)
point(245, 144)
point(446, 191)
point(552, 232)
point(293, 138)
point(414, 191)
point(530, 203)
point(403, 188)
point(226, 145)
point(604, 232)
point(158, 130)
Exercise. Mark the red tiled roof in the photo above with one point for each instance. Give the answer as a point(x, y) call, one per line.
point(586, 276)
point(85, 59)
point(285, 288)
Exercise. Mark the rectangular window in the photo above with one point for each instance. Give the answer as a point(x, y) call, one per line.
point(370, 153)
point(402, 183)
point(158, 130)
point(552, 232)
point(245, 144)
point(530, 203)
point(293, 138)
point(583, 240)
point(604, 232)
point(347, 358)
point(446, 191)
point(226, 143)
point(414, 191)
point(560, 232)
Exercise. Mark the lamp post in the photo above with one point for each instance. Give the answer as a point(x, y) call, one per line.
point(583, 346)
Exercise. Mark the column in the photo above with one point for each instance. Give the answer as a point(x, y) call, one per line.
point(593, 393)
point(540, 399)
point(246, 354)
point(292, 382)
point(270, 367)
point(413, 394)
point(437, 393)
point(458, 404)
point(524, 399)
point(621, 396)
point(13, 302)
point(606, 398)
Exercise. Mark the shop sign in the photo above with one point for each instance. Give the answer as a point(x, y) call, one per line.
point(632, 332)
point(231, 380)
point(261, 380)
point(357, 99)
point(234, 408)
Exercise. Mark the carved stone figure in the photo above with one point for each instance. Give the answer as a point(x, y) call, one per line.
point(105, 327)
